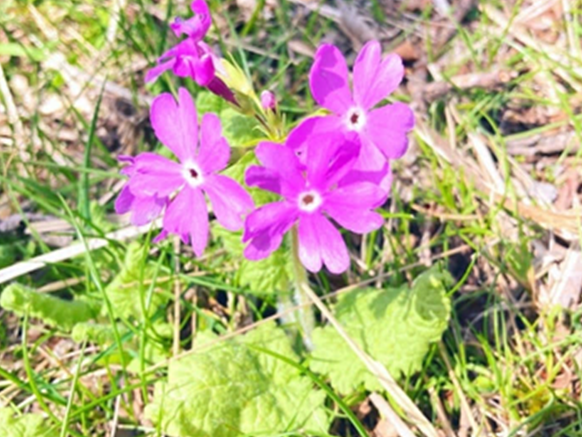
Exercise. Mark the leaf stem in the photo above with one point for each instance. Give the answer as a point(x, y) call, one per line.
point(301, 297)
point(415, 416)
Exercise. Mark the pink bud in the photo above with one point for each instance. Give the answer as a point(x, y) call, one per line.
point(268, 100)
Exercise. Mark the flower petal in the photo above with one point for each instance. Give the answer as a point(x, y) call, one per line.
point(283, 161)
point(176, 123)
point(309, 247)
point(196, 26)
point(299, 137)
point(155, 175)
point(146, 209)
point(265, 228)
point(187, 216)
point(350, 207)
point(265, 179)
point(356, 220)
point(154, 72)
point(374, 78)
point(387, 128)
point(214, 150)
point(202, 70)
point(363, 195)
point(380, 176)
point(329, 157)
point(229, 200)
point(333, 250)
point(124, 201)
point(329, 80)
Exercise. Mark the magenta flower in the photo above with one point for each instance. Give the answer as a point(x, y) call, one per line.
point(192, 57)
point(196, 26)
point(153, 176)
point(311, 197)
point(143, 209)
point(188, 58)
point(382, 131)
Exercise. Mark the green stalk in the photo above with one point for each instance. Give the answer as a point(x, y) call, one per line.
point(304, 313)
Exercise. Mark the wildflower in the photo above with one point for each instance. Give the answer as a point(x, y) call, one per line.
point(175, 124)
point(311, 196)
point(192, 57)
point(143, 209)
point(382, 131)
point(196, 26)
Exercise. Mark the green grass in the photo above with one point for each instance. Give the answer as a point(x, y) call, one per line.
point(507, 359)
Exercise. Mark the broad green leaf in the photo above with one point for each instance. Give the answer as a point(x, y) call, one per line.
point(232, 389)
point(395, 326)
point(263, 278)
point(124, 291)
point(209, 102)
point(101, 334)
point(239, 130)
point(27, 425)
point(53, 311)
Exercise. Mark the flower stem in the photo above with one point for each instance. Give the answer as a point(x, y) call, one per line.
point(302, 291)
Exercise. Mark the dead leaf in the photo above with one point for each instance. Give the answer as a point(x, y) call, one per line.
point(358, 27)
point(408, 52)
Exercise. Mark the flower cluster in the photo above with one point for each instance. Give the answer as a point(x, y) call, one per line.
point(332, 169)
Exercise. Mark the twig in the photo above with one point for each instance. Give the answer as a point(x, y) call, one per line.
point(489, 80)
point(14, 120)
point(386, 380)
point(73, 250)
point(386, 410)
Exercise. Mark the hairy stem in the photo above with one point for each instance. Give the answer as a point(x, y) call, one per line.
point(304, 313)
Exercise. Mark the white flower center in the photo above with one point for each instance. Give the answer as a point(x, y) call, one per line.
point(355, 119)
point(192, 174)
point(309, 201)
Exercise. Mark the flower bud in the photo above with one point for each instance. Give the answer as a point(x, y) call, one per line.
point(268, 100)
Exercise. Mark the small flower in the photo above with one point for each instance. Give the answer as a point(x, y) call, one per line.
point(143, 209)
point(268, 100)
point(196, 26)
point(382, 131)
point(188, 58)
point(192, 57)
point(310, 197)
point(175, 124)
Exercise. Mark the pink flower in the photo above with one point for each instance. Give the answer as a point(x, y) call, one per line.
point(143, 209)
point(188, 58)
point(196, 26)
point(311, 197)
point(153, 176)
point(382, 131)
point(192, 57)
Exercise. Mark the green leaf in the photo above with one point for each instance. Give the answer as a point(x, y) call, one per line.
point(232, 389)
point(124, 290)
point(53, 311)
point(395, 326)
point(101, 334)
point(209, 102)
point(266, 277)
point(27, 425)
point(22, 51)
point(239, 130)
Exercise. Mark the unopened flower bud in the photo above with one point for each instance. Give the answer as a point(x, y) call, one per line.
point(268, 100)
